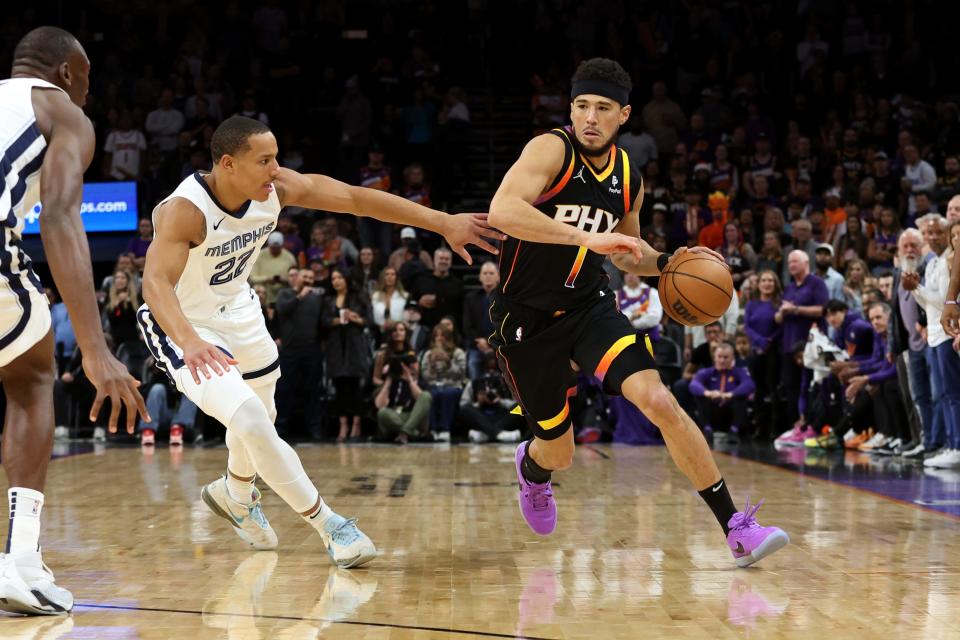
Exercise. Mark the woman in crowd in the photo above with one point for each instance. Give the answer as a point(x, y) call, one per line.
point(345, 317)
point(852, 244)
point(771, 254)
point(389, 300)
point(854, 285)
point(738, 255)
point(120, 311)
point(444, 369)
point(765, 336)
point(366, 271)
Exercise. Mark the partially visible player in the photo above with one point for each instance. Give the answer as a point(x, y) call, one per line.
point(47, 143)
point(571, 198)
point(201, 317)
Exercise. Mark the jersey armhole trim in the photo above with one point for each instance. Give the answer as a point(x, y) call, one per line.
point(561, 179)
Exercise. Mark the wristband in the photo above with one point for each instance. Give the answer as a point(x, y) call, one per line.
point(662, 261)
point(950, 302)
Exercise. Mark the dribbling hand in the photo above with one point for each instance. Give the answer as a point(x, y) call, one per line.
point(112, 380)
point(700, 250)
point(202, 358)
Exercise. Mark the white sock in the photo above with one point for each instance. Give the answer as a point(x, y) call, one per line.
point(239, 490)
point(319, 516)
point(25, 508)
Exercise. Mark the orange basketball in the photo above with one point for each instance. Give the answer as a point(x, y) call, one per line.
point(695, 289)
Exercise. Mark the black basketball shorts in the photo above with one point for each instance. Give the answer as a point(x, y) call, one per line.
point(535, 350)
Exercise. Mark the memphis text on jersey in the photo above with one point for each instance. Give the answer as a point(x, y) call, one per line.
point(238, 243)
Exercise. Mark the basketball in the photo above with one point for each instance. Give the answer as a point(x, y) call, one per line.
point(695, 289)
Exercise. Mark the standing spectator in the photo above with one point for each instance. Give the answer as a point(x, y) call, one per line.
point(120, 312)
point(639, 145)
point(399, 256)
point(125, 150)
point(852, 244)
point(766, 337)
point(771, 254)
point(953, 210)
point(164, 124)
point(389, 300)
point(403, 408)
point(883, 245)
point(329, 247)
point(444, 368)
point(125, 262)
point(248, 108)
point(438, 293)
point(366, 272)
point(803, 240)
point(943, 361)
point(419, 119)
point(724, 175)
point(886, 184)
point(641, 304)
point(292, 241)
point(802, 306)
point(345, 315)
point(476, 318)
point(375, 175)
point(854, 285)
point(918, 176)
point(721, 394)
point(298, 312)
point(139, 244)
point(272, 266)
point(738, 255)
point(355, 116)
point(663, 118)
point(827, 273)
point(712, 234)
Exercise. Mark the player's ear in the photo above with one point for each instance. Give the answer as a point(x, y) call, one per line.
point(63, 72)
point(226, 162)
point(624, 115)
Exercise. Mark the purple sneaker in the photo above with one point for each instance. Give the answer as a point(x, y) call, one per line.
point(536, 500)
point(750, 542)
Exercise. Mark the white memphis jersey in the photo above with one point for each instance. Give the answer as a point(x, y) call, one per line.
point(216, 272)
point(23, 148)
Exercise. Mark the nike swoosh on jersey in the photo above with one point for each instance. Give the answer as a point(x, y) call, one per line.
point(218, 223)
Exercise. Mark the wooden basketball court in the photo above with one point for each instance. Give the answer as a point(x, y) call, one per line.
point(636, 554)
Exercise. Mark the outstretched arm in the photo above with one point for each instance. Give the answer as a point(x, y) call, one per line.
point(314, 191)
point(69, 152)
point(512, 210)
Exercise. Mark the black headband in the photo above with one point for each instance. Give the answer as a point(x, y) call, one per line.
point(600, 88)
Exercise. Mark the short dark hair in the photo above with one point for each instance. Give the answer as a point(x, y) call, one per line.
point(834, 306)
point(45, 46)
point(603, 69)
point(232, 135)
point(715, 323)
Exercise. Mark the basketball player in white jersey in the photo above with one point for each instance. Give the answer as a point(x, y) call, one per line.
point(204, 326)
point(46, 143)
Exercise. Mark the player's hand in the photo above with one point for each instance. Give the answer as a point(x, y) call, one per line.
point(613, 243)
point(470, 228)
point(950, 319)
point(202, 357)
point(700, 250)
point(112, 380)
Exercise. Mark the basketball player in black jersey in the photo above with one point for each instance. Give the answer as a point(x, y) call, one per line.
point(571, 199)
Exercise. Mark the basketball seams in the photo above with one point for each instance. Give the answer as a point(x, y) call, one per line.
point(679, 296)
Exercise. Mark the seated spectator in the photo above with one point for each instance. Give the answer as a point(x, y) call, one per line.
point(272, 267)
point(476, 319)
point(345, 315)
point(658, 223)
point(852, 244)
point(396, 344)
point(743, 354)
point(849, 331)
point(882, 247)
point(854, 284)
point(388, 301)
point(419, 334)
point(139, 244)
point(292, 241)
point(73, 396)
point(721, 393)
point(403, 407)
point(166, 406)
point(695, 360)
point(120, 310)
point(485, 406)
point(125, 262)
point(771, 254)
point(443, 368)
point(365, 273)
point(738, 255)
point(64, 338)
point(712, 234)
point(641, 304)
point(328, 246)
point(375, 175)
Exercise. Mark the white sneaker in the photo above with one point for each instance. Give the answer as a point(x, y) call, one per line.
point(27, 586)
point(916, 452)
point(441, 436)
point(878, 440)
point(247, 519)
point(949, 459)
point(99, 434)
point(346, 545)
point(509, 436)
point(61, 433)
point(849, 435)
point(478, 437)
point(935, 461)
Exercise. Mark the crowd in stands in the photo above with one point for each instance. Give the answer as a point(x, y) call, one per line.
point(817, 149)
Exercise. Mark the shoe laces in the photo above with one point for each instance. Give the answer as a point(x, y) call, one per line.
point(540, 495)
point(256, 514)
point(345, 533)
point(747, 518)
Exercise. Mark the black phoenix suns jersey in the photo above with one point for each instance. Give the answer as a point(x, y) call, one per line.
point(558, 277)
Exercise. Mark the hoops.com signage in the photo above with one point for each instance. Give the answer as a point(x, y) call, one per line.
point(106, 206)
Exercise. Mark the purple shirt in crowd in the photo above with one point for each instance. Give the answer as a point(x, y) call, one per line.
point(877, 367)
point(736, 381)
point(855, 336)
point(138, 247)
point(759, 325)
point(809, 293)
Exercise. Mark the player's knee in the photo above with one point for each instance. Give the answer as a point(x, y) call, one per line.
point(251, 423)
point(657, 403)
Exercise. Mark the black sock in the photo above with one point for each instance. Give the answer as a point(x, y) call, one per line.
point(718, 499)
point(531, 470)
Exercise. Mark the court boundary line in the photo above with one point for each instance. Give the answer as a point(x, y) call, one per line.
point(358, 623)
point(851, 487)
